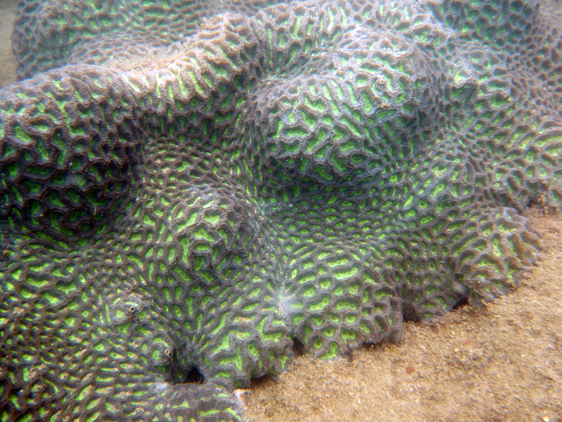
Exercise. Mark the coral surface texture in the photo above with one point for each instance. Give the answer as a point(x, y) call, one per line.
point(190, 188)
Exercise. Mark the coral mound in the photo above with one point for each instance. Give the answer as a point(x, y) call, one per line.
point(190, 188)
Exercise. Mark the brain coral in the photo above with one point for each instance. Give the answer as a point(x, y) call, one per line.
point(188, 188)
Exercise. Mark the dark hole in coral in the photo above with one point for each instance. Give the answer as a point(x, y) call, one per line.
point(409, 314)
point(374, 346)
point(254, 382)
point(460, 304)
point(368, 345)
point(298, 348)
point(194, 376)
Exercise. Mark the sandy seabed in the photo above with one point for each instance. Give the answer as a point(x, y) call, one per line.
point(502, 362)
point(7, 64)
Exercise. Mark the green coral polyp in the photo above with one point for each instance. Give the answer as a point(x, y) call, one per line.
point(198, 185)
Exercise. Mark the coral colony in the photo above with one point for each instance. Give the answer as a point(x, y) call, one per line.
point(189, 188)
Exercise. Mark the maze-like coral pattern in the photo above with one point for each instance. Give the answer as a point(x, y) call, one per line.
point(53, 33)
point(203, 185)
